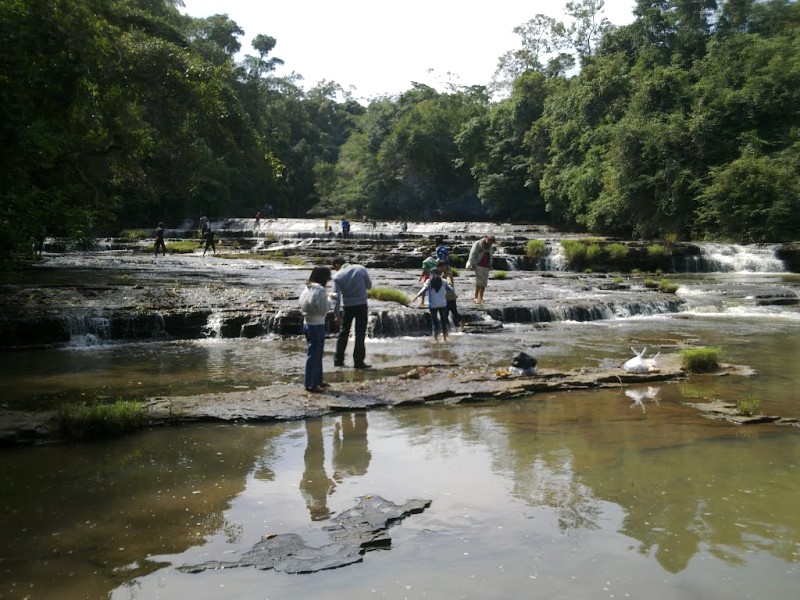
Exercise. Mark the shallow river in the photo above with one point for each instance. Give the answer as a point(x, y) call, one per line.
point(569, 495)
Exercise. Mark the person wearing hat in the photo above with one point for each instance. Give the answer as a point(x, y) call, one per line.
point(480, 261)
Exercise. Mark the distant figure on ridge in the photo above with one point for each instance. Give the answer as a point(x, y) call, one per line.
point(160, 239)
point(203, 226)
point(209, 239)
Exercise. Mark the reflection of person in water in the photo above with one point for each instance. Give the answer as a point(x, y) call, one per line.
point(351, 453)
point(351, 457)
point(315, 484)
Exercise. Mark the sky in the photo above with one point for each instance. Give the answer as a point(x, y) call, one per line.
point(375, 48)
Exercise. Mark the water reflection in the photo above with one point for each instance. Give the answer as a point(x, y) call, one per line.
point(578, 484)
point(351, 457)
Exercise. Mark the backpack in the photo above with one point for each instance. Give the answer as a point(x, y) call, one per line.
point(443, 253)
point(523, 361)
point(429, 263)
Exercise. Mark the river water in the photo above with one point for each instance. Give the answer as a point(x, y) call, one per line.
point(624, 493)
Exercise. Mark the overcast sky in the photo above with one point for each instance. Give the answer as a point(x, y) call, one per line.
point(381, 47)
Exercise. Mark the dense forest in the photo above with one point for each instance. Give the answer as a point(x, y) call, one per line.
point(684, 124)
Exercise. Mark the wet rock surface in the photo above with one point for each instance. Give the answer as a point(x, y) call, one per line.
point(414, 386)
point(352, 533)
point(726, 411)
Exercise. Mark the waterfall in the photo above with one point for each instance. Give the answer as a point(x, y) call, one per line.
point(213, 328)
point(87, 330)
point(555, 259)
point(735, 258)
point(390, 323)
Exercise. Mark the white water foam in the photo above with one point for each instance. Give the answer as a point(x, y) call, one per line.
point(742, 259)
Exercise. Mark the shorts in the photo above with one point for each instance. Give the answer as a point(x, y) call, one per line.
point(481, 276)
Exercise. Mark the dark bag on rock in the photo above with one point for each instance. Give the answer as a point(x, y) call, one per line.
point(523, 361)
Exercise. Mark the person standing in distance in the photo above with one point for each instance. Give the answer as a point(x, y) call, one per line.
point(159, 244)
point(351, 284)
point(480, 260)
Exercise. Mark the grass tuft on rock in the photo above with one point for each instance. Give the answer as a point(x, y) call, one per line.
point(701, 360)
point(100, 421)
point(389, 295)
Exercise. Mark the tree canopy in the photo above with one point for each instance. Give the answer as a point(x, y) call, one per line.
point(685, 123)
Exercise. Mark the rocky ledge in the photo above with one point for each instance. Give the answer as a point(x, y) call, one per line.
point(419, 385)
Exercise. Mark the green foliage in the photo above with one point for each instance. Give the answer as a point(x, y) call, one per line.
point(574, 251)
point(665, 286)
point(535, 249)
point(658, 251)
point(389, 295)
point(701, 360)
point(182, 246)
point(682, 124)
point(616, 251)
point(133, 235)
point(593, 253)
point(100, 421)
point(500, 275)
point(748, 406)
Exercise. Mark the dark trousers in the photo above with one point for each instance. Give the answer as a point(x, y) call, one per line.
point(315, 338)
point(359, 314)
point(439, 320)
point(160, 244)
point(452, 308)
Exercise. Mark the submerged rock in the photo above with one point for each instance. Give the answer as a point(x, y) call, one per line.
point(352, 533)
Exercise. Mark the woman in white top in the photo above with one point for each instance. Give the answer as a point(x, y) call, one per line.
point(314, 305)
point(437, 289)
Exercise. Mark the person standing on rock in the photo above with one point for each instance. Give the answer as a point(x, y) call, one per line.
point(480, 261)
point(452, 297)
point(351, 285)
point(160, 239)
point(314, 306)
point(203, 226)
point(345, 228)
point(209, 239)
point(436, 289)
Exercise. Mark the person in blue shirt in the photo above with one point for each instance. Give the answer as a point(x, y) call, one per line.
point(442, 253)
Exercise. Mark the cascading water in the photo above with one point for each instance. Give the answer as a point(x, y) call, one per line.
point(735, 258)
point(87, 330)
point(213, 328)
point(555, 259)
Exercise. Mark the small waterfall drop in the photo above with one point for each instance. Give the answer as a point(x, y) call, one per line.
point(555, 259)
point(736, 258)
point(213, 328)
point(87, 330)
